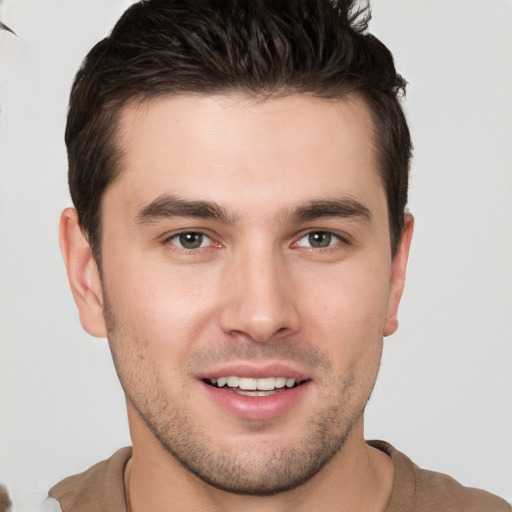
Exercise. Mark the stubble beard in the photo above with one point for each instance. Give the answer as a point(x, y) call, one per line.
point(252, 468)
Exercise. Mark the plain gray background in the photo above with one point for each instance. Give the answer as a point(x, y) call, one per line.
point(444, 394)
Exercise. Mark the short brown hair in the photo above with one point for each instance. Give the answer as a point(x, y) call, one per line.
point(257, 47)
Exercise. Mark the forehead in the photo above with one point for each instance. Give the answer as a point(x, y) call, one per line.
point(239, 150)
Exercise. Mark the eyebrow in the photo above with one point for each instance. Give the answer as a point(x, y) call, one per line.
point(346, 207)
point(168, 206)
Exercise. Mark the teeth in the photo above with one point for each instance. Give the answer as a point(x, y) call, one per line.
point(248, 384)
point(232, 382)
point(265, 384)
point(281, 382)
point(255, 393)
point(243, 383)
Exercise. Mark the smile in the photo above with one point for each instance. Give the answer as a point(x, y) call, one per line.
point(256, 393)
point(252, 387)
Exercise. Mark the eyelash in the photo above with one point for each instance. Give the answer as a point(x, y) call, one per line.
point(331, 246)
point(339, 240)
point(169, 240)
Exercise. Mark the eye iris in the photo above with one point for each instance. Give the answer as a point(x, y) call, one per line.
point(320, 239)
point(191, 240)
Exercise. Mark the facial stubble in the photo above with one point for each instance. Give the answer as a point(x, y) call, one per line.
point(258, 468)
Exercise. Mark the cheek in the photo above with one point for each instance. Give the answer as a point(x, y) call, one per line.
point(351, 304)
point(163, 305)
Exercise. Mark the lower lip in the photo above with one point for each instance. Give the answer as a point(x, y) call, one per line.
point(257, 407)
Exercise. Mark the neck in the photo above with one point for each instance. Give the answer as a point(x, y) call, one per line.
point(357, 478)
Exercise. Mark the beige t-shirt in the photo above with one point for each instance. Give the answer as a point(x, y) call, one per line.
point(101, 488)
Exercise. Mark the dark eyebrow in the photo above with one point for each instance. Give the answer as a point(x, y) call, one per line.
point(345, 207)
point(168, 206)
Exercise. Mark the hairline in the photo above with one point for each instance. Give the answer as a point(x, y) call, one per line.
point(139, 98)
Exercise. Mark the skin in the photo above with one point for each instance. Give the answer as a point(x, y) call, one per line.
point(255, 292)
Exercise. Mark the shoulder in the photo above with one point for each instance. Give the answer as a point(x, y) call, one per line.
point(417, 489)
point(101, 487)
point(453, 494)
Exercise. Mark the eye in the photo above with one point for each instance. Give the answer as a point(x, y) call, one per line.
point(190, 240)
point(318, 240)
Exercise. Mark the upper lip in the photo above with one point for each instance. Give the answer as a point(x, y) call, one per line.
point(254, 371)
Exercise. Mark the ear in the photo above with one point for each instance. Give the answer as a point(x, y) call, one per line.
point(398, 271)
point(83, 274)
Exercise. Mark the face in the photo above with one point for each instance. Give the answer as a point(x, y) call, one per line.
point(247, 282)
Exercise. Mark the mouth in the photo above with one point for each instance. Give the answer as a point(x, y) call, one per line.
point(260, 387)
point(258, 393)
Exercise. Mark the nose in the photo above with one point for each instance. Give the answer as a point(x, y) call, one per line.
point(259, 302)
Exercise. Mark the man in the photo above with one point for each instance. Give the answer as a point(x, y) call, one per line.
point(239, 175)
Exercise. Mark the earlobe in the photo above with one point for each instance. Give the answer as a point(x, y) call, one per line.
point(82, 273)
point(398, 272)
